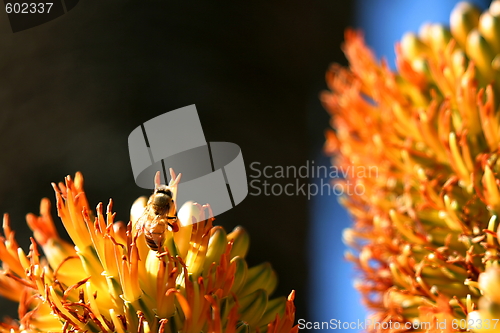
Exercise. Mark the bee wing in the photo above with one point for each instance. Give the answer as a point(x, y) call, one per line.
point(145, 217)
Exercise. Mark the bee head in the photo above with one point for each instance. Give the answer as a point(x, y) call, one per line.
point(163, 196)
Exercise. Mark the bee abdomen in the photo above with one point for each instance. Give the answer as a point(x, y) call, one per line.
point(152, 244)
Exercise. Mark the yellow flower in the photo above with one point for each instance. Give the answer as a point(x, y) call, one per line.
point(425, 222)
point(109, 280)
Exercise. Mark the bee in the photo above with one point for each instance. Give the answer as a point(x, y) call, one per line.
point(160, 213)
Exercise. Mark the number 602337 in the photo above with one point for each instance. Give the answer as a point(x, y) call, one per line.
point(28, 8)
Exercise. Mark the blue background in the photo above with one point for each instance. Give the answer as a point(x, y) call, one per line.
point(332, 295)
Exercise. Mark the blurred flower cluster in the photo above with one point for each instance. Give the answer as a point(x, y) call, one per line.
point(425, 228)
point(110, 281)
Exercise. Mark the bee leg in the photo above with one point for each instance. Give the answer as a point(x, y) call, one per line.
point(174, 226)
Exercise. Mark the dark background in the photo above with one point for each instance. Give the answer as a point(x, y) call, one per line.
point(72, 90)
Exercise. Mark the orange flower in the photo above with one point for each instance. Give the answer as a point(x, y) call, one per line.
point(110, 281)
point(425, 224)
